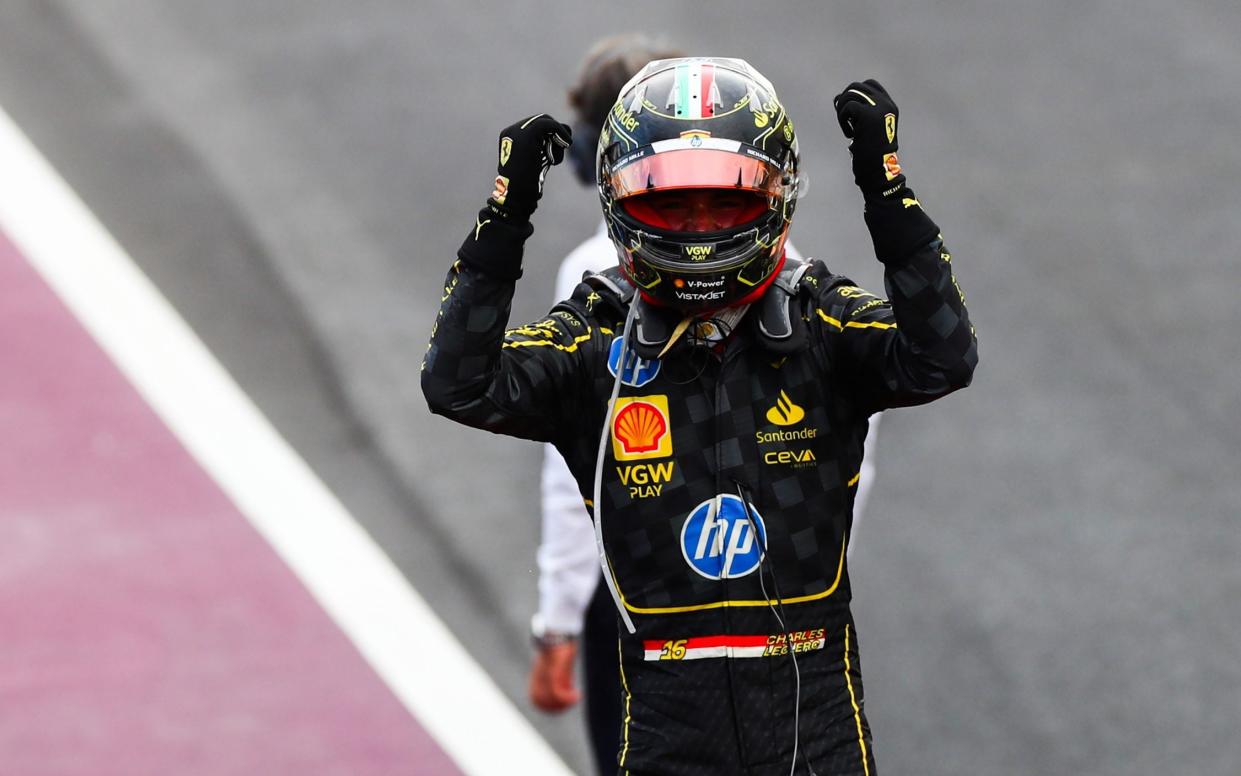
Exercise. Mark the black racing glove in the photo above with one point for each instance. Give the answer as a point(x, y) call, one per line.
point(527, 150)
point(868, 117)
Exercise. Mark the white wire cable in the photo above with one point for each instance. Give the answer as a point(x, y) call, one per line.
point(608, 578)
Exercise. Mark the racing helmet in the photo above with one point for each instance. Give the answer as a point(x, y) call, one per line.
point(698, 177)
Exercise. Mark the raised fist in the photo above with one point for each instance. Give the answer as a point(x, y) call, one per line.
point(527, 150)
point(868, 116)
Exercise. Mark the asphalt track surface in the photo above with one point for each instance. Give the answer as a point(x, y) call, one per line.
point(1048, 579)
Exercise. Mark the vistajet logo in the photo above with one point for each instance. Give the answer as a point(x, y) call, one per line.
point(700, 296)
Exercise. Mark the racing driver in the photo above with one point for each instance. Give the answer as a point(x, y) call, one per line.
point(710, 396)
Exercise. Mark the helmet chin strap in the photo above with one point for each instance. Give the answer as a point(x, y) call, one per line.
point(676, 334)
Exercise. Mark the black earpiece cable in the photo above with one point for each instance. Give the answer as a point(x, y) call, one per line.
point(780, 620)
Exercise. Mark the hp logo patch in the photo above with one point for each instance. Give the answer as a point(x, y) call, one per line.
point(717, 538)
point(638, 371)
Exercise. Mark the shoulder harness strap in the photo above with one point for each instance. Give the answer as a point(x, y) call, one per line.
point(652, 327)
point(602, 295)
point(613, 280)
point(778, 320)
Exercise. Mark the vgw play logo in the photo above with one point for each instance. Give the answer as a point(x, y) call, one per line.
point(718, 538)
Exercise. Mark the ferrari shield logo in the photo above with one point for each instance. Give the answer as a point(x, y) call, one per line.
point(506, 148)
point(889, 123)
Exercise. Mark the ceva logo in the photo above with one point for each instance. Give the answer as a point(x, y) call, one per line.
point(785, 412)
point(638, 371)
point(718, 539)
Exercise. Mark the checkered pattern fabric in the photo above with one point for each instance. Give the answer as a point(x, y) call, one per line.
point(783, 431)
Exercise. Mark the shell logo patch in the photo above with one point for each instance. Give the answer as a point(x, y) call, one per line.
point(640, 428)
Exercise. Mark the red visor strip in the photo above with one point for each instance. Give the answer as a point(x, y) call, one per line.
point(708, 79)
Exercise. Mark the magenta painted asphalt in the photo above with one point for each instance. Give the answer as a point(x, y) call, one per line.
point(145, 628)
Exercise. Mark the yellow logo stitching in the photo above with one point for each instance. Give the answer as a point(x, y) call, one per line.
point(506, 148)
point(889, 124)
point(852, 292)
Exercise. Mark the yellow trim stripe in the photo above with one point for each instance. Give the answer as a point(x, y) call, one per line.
point(863, 95)
point(537, 115)
point(545, 343)
point(855, 479)
point(548, 343)
point(625, 687)
point(801, 599)
point(854, 324)
point(829, 319)
point(857, 712)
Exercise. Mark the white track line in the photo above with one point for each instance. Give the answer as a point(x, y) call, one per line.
point(354, 581)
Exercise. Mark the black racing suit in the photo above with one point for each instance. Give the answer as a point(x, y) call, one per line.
point(728, 485)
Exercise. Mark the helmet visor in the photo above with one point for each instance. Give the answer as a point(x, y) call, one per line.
point(696, 210)
point(695, 168)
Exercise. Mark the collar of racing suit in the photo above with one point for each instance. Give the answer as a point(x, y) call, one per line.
point(777, 322)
